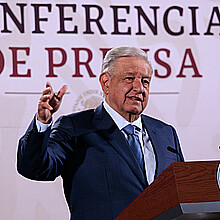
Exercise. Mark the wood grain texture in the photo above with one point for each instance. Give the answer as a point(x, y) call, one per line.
point(188, 182)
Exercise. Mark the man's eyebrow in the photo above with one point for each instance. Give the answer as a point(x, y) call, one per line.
point(129, 73)
point(132, 74)
point(146, 77)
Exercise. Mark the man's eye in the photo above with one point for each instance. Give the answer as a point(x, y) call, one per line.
point(129, 79)
point(145, 82)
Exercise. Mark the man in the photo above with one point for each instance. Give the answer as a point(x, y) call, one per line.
point(103, 166)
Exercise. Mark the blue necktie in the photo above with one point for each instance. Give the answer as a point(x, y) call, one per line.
point(134, 143)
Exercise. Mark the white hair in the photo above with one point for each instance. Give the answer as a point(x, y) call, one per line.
point(125, 51)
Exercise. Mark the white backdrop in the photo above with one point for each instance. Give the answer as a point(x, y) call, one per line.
point(183, 39)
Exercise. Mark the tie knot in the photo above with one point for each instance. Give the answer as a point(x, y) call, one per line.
point(129, 129)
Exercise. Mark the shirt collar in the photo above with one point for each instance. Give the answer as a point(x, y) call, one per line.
point(120, 121)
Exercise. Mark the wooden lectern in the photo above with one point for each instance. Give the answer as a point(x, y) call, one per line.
point(187, 190)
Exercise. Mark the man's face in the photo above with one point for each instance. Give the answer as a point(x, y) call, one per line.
point(127, 92)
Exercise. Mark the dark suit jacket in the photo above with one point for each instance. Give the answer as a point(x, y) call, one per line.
point(101, 176)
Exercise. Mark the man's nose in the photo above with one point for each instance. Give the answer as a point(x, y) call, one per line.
point(138, 86)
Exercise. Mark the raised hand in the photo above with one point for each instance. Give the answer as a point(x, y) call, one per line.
point(49, 103)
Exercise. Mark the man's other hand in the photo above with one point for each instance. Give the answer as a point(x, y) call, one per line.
point(49, 103)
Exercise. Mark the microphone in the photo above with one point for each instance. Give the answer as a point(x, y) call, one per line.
point(173, 150)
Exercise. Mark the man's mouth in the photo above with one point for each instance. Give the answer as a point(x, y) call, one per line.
point(136, 98)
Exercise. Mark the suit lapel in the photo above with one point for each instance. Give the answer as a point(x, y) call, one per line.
point(109, 130)
point(154, 135)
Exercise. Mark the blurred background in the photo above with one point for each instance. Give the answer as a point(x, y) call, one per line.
point(64, 42)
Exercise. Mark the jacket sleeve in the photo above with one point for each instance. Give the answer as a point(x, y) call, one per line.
point(42, 155)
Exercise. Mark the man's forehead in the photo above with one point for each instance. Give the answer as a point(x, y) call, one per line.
point(132, 65)
point(130, 62)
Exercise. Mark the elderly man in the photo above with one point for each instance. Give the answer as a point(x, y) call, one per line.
point(106, 156)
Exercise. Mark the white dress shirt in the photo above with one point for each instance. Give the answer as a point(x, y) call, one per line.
point(41, 127)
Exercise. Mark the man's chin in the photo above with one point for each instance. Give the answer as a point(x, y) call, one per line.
point(135, 112)
point(136, 109)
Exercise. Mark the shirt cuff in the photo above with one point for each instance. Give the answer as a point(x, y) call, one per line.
point(41, 127)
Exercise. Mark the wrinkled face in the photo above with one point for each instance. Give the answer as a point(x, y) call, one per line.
point(128, 90)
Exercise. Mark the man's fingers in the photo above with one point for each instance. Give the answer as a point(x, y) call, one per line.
point(47, 91)
point(45, 98)
point(61, 92)
point(48, 85)
point(49, 88)
point(45, 105)
point(49, 100)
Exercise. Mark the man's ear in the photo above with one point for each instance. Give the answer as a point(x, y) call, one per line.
point(104, 80)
